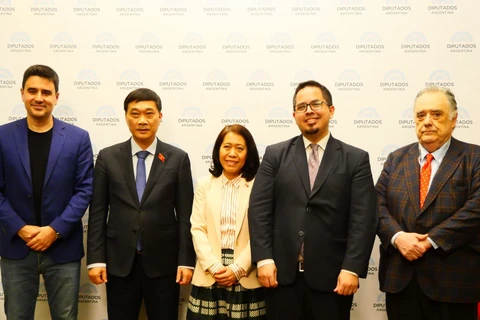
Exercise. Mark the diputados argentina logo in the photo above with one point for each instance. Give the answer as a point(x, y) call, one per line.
point(20, 42)
point(6, 9)
point(174, 11)
point(261, 10)
point(367, 118)
point(63, 43)
point(306, 8)
point(89, 294)
point(260, 80)
point(87, 80)
point(18, 112)
point(192, 117)
point(148, 44)
point(407, 121)
point(394, 80)
point(43, 10)
point(325, 42)
point(279, 118)
point(385, 152)
point(86, 11)
point(464, 121)
point(216, 80)
point(349, 80)
point(105, 43)
point(192, 43)
point(236, 42)
point(129, 80)
point(396, 10)
point(65, 113)
point(351, 7)
point(380, 304)
point(370, 42)
point(235, 115)
point(220, 10)
point(443, 9)
point(6, 79)
point(280, 42)
point(106, 117)
point(415, 42)
point(461, 42)
point(440, 78)
point(173, 80)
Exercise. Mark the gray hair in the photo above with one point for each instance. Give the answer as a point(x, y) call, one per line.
point(449, 94)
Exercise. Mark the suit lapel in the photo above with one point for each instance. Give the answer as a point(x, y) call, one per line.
point(21, 140)
point(124, 157)
point(300, 160)
point(160, 159)
point(242, 203)
point(58, 139)
point(448, 166)
point(412, 177)
point(330, 156)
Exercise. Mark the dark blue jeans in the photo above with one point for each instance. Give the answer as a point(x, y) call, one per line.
point(20, 279)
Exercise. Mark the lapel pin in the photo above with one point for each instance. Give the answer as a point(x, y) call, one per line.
point(161, 157)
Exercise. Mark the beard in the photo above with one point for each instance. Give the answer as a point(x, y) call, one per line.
point(310, 131)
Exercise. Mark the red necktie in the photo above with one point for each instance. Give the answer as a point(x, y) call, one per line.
point(425, 174)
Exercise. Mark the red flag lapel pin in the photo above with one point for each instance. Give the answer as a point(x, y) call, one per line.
point(161, 157)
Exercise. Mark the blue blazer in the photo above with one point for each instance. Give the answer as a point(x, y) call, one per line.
point(66, 194)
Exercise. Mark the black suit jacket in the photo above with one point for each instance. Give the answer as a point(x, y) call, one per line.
point(337, 220)
point(162, 217)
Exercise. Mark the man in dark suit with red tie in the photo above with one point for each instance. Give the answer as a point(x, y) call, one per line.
point(429, 203)
point(139, 240)
point(312, 216)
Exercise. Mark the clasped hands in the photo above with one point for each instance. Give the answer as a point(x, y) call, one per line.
point(37, 238)
point(412, 245)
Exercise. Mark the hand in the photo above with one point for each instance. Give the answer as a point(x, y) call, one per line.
point(267, 275)
point(225, 277)
point(28, 232)
point(98, 275)
point(43, 240)
point(184, 276)
point(347, 284)
point(411, 245)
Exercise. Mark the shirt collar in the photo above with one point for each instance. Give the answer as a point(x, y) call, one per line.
point(322, 143)
point(437, 154)
point(136, 148)
point(235, 181)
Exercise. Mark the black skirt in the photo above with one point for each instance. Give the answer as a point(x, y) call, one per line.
point(220, 302)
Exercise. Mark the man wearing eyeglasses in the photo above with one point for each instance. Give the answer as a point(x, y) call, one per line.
point(312, 216)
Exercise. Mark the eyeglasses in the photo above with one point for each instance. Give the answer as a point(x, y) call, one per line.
point(315, 105)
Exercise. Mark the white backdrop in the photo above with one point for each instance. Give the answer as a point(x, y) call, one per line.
point(218, 62)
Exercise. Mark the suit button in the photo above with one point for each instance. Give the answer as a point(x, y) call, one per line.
point(309, 209)
point(300, 233)
point(29, 196)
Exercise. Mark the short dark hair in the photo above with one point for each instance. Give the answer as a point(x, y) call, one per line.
point(142, 94)
point(312, 83)
point(252, 162)
point(42, 72)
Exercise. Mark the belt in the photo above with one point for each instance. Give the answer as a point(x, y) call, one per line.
point(301, 266)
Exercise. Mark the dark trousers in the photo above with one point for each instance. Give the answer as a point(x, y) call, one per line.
point(298, 301)
point(125, 294)
point(412, 304)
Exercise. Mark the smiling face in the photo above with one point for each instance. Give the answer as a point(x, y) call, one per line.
point(40, 98)
point(313, 123)
point(143, 119)
point(233, 153)
point(434, 122)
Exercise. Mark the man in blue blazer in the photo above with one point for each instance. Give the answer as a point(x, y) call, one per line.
point(312, 216)
point(46, 173)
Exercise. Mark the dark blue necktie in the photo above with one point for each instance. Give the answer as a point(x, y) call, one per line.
point(141, 181)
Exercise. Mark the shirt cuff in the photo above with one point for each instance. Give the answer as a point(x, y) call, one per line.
point(351, 272)
point(96, 265)
point(434, 245)
point(395, 238)
point(238, 271)
point(186, 267)
point(264, 262)
point(214, 268)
